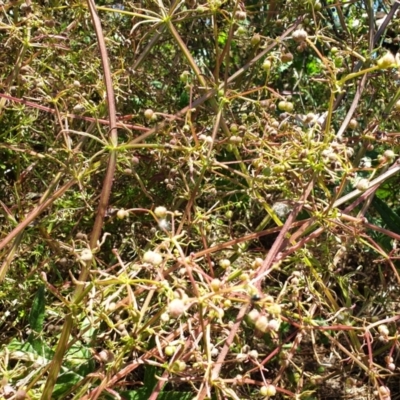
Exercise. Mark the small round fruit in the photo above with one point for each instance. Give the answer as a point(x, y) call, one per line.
point(170, 350)
point(164, 317)
point(148, 114)
point(135, 160)
point(234, 128)
point(224, 263)
point(253, 315)
point(362, 184)
point(257, 263)
point(235, 139)
point(286, 106)
point(317, 6)
point(266, 66)
point(253, 354)
point(20, 395)
point(273, 325)
point(79, 108)
point(184, 77)
point(106, 356)
point(229, 214)
point(389, 155)
point(244, 277)
point(282, 105)
point(383, 330)
point(384, 391)
point(275, 309)
point(160, 212)
point(256, 39)
point(214, 352)
point(241, 31)
point(286, 57)
point(262, 323)
point(181, 366)
point(388, 359)
point(386, 61)
point(339, 61)
point(240, 15)
point(215, 284)
point(289, 106)
point(299, 35)
point(121, 214)
point(353, 123)
point(227, 303)
point(278, 168)
point(268, 390)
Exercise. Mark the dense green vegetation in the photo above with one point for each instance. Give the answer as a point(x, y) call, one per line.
point(199, 200)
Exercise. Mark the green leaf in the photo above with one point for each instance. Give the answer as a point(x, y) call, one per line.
point(149, 382)
point(389, 217)
point(33, 350)
point(222, 37)
point(140, 394)
point(150, 379)
point(36, 319)
point(36, 316)
point(314, 66)
point(183, 99)
point(175, 396)
point(143, 394)
point(157, 84)
point(65, 382)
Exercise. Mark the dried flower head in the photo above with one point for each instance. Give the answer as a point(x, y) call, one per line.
point(86, 255)
point(152, 257)
point(176, 308)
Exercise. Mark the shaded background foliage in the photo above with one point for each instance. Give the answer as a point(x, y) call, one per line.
point(221, 183)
